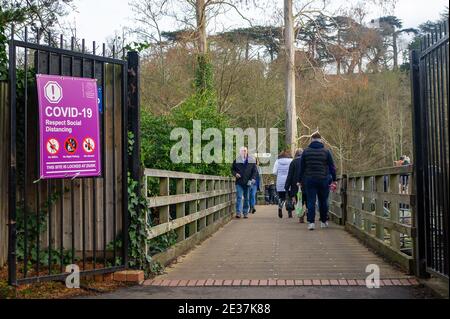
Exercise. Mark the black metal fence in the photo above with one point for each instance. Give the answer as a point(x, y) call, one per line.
point(430, 81)
point(55, 223)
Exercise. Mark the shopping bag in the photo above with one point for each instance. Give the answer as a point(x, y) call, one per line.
point(299, 211)
point(289, 205)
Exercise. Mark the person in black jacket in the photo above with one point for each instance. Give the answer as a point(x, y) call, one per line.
point(245, 171)
point(316, 168)
point(293, 178)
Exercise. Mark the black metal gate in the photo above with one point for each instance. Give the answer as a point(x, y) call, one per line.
point(430, 81)
point(55, 223)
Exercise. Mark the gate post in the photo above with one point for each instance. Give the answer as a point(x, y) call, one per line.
point(419, 249)
point(133, 126)
point(134, 123)
point(12, 178)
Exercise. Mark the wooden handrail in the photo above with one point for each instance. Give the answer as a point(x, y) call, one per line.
point(171, 174)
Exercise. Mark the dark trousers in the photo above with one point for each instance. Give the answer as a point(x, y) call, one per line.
point(319, 188)
point(281, 199)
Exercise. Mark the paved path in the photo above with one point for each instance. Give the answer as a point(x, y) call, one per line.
point(249, 293)
point(265, 257)
point(265, 247)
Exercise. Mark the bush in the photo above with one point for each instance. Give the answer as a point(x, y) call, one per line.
point(155, 130)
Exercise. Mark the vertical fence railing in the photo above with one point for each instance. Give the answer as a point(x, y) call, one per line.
point(4, 169)
point(430, 81)
point(54, 223)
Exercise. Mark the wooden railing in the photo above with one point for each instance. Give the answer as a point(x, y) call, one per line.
point(193, 206)
point(378, 208)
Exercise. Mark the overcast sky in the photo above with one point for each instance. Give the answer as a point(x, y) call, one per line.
point(99, 19)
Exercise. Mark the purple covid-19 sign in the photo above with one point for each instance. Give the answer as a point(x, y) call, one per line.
point(69, 127)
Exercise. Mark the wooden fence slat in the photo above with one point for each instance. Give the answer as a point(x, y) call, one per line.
point(179, 222)
point(158, 201)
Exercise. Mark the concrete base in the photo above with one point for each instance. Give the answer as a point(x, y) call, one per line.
point(131, 276)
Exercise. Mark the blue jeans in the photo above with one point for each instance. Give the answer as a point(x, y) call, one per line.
point(253, 192)
point(242, 191)
point(319, 188)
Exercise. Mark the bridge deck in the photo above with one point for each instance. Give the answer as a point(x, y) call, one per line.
point(265, 247)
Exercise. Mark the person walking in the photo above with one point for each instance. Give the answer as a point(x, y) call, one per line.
point(255, 188)
point(316, 167)
point(292, 181)
point(244, 170)
point(280, 170)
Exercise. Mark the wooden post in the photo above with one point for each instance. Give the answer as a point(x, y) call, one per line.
point(359, 204)
point(344, 199)
point(164, 216)
point(367, 203)
point(181, 209)
point(394, 188)
point(211, 201)
point(351, 201)
point(379, 206)
point(203, 203)
point(193, 207)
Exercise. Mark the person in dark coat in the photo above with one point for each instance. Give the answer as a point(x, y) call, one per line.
point(245, 171)
point(316, 167)
point(292, 181)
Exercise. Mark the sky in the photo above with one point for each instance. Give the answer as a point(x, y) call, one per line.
point(97, 20)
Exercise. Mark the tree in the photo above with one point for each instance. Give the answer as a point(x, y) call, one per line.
point(41, 16)
point(8, 15)
point(270, 37)
point(392, 26)
point(291, 110)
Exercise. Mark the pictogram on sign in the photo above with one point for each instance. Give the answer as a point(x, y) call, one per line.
point(88, 145)
point(71, 145)
point(53, 92)
point(52, 146)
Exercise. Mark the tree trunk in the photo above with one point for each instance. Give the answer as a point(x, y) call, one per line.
point(291, 113)
point(395, 49)
point(201, 26)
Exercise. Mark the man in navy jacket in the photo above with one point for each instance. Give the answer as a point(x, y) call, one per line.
point(316, 168)
point(245, 170)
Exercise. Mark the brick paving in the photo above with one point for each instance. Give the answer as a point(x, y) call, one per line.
point(267, 251)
